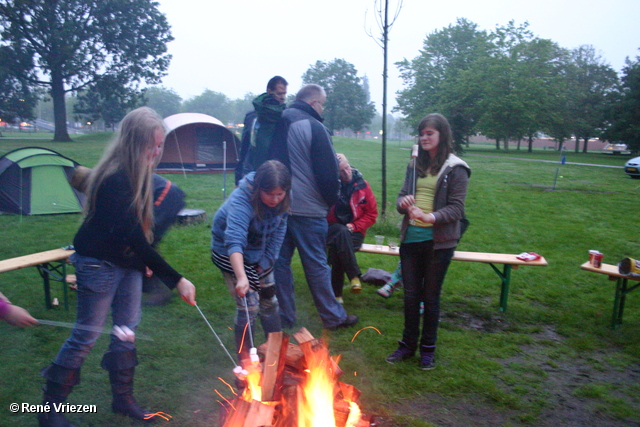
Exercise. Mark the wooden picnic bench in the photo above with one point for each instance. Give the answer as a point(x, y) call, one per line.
point(622, 288)
point(52, 265)
point(508, 262)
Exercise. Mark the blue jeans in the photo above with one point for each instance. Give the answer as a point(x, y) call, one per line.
point(423, 272)
point(309, 236)
point(102, 286)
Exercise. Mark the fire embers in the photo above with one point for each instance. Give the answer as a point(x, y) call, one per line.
point(297, 386)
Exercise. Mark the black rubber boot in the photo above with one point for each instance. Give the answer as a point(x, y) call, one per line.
point(121, 367)
point(123, 400)
point(60, 382)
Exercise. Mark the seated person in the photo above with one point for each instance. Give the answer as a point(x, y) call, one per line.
point(14, 315)
point(349, 219)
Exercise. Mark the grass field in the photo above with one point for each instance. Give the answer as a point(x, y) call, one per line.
point(551, 358)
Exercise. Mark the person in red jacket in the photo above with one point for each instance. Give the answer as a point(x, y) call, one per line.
point(349, 219)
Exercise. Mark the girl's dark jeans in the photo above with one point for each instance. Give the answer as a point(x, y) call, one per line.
point(423, 272)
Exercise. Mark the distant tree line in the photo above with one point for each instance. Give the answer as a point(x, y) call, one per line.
point(512, 86)
point(347, 105)
point(507, 84)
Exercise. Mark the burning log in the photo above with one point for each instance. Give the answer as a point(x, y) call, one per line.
point(274, 363)
point(298, 386)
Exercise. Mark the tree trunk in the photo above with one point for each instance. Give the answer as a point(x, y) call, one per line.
point(586, 143)
point(530, 149)
point(576, 149)
point(59, 108)
point(497, 143)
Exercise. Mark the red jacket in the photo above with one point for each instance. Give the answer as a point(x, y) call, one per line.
point(363, 205)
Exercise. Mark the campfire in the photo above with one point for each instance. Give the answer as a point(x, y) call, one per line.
point(294, 386)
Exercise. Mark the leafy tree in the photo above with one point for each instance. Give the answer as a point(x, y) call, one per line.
point(346, 106)
point(624, 110)
point(165, 102)
point(74, 42)
point(109, 99)
point(17, 97)
point(240, 107)
point(439, 79)
point(520, 81)
point(215, 104)
point(590, 81)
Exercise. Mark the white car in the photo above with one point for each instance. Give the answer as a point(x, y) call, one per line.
point(632, 167)
point(616, 148)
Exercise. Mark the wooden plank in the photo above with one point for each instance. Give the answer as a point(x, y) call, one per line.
point(608, 269)
point(34, 259)
point(486, 257)
point(274, 363)
point(294, 356)
point(496, 258)
point(303, 335)
point(238, 414)
point(259, 415)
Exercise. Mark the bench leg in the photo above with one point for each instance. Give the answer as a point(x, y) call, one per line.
point(55, 272)
point(622, 289)
point(47, 288)
point(505, 278)
point(618, 302)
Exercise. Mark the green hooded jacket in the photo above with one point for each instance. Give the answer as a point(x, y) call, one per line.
point(268, 111)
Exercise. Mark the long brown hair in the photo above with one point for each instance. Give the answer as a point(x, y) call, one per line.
point(270, 176)
point(445, 146)
point(128, 152)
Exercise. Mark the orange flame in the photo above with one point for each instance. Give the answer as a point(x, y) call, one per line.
point(253, 391)
point(316, 396)
point(317, 407)
point(163, 415)
point(366, 327)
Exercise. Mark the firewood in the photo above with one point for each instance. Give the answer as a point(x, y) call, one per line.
point(294, 356)
point(238, 413)
point(349, 392)
point(274, 363)
point(303, 335)
point(259, 415)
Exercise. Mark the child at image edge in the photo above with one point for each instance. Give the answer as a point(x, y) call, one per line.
point(432, 201)
point(247, 233)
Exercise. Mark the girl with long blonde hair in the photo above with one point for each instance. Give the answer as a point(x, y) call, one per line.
point(113, 250)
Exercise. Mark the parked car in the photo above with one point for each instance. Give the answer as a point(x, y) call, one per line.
point(616, 148)
point(632, 167)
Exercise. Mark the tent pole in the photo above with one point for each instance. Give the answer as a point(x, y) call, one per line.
point(224, 170)
point(175, 137)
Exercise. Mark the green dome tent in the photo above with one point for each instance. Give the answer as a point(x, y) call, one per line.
point(35, 181)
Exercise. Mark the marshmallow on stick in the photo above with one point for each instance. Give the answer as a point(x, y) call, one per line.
point(124, 333)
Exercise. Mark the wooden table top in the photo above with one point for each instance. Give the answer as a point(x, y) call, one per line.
point(485, 257)
point(34, 259)
point(608, 269)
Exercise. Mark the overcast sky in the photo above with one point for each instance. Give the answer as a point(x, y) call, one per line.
point(235, 46)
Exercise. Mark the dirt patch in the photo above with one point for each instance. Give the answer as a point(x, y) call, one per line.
point(570, 392)
point(448, 412)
